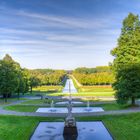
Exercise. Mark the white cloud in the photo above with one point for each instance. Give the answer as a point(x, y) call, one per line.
point(54, 39)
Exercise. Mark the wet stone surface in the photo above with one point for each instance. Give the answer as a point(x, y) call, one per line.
point(66, 102)
point(86, 131)
point(74, 110)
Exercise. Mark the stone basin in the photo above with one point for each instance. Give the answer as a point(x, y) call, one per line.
point(94, 130)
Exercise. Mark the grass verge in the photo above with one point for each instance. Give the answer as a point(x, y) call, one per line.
point(122, 127)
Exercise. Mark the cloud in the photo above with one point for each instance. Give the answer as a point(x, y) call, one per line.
point(59, 21)
point(56, 39)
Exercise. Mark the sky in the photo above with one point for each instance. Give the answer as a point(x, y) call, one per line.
point(62, 34)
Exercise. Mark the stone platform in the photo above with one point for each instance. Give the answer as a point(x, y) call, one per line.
point(94, 130)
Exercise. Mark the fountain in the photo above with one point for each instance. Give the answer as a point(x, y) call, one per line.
point(59, 110)
point(88, 107)
point(70, 129)
point(52, 109)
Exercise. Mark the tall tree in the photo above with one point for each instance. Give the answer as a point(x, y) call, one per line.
point(127, 60)
point(34, 82)
point(8, 76)
point(23, 81)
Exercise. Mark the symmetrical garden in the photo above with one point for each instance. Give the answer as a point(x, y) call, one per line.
point(115, 88)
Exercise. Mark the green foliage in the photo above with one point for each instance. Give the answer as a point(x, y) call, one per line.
point(12, 78)
point(126, 64)
point(127, 83)
point(47, 77)
point(84, 70)
point(101, 75)
point(23, 79)
point(8, 76)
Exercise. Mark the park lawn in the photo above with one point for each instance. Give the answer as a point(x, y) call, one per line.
point(111, 106)
point(18, 128)
point(96, 89)
point(37, 101)
point(84, 94)
point(40, 102)
point(33, 108)
point(122, 127)
point(10, 100)
point(48, 89)
point(22, 108)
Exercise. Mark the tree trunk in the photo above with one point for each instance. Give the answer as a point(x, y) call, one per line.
point(6, 98)
point(41, 97)
point(31, 90)
point(133, 101)
point(18, 94)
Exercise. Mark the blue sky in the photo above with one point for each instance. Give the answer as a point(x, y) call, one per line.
point(62, 34)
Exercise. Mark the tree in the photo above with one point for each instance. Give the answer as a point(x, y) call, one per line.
point(26, 80)
point(34, 82)
point(127, 61)
point(127, 83)
point(8, 76)
point(23, 81)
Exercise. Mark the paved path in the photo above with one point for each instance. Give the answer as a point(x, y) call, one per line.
point(114, 112)
point(117, 112)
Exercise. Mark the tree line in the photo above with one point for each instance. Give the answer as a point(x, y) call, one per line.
point(100, 75)
point(15, 80)
point(47, 77)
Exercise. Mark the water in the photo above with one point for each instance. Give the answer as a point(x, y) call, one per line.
point(66, 102)
point(65, 110)
point(52, 108)
point(86, 131)
point(88, 108)
point(69, 83)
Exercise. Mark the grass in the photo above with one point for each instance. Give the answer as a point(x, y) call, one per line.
point(122, 127)
point(18, 128)
point(33, 108)
point(112, 106)
point(83, 90)
point(9, 100)
point(84, 94)
point(37, 101)
point(22, 108)
point(94, 88)
point(48, 89)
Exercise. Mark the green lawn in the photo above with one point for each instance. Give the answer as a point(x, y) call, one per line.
point(18, 128)
point(122, 127)
point(10, 100)
point(32, 108)
point(84, 94)
point(22, 108)
point(37, 101)
point(112, 106)
point(48, 89)
point(96, 89)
